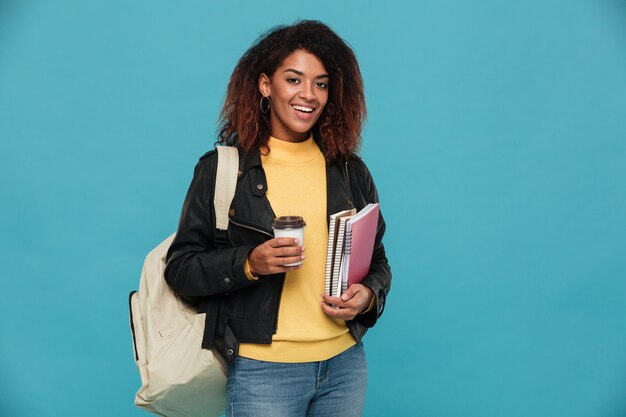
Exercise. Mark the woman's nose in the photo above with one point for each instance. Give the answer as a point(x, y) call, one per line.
point(306, 92)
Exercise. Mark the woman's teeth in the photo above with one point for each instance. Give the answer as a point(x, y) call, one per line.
point(303, 109)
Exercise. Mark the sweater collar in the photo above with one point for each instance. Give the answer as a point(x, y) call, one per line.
point(293, 152)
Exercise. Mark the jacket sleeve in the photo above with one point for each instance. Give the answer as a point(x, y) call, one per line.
point(195, 267)
point(379, 276)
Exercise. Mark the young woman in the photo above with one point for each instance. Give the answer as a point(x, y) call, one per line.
point(294, 108)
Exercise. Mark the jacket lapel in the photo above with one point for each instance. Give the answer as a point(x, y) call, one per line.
point(338, 195)
point(251, 205)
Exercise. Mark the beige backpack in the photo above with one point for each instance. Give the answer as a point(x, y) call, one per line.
point(178, 377)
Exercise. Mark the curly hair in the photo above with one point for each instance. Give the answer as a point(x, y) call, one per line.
point(337, 131)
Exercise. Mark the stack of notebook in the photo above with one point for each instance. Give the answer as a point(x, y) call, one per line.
point(350, 245)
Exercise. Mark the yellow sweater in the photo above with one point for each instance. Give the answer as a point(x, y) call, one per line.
point(296, 185)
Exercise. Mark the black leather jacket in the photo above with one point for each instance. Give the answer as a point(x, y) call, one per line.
point(207, 268)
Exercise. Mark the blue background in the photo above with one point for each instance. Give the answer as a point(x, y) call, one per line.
point(496, 135)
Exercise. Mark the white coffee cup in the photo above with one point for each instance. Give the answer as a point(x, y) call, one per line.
point(290, 226)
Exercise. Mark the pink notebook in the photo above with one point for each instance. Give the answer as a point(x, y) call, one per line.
point(359, 245)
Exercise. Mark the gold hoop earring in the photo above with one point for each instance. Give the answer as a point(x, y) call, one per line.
point(266, 108)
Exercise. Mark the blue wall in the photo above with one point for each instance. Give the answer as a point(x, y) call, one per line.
point(497, 138)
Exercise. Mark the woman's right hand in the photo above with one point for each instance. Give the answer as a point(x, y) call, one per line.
point(271, 256)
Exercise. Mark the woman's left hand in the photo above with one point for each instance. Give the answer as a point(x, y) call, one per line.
point(353, 301)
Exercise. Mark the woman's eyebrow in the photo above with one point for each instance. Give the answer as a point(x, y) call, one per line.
point(301, 73)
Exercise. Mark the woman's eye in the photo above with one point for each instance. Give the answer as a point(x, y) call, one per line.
point(293, 80)
point(322, 85)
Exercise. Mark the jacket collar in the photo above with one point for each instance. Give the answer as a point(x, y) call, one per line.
point(339, 190)
point(249, 160)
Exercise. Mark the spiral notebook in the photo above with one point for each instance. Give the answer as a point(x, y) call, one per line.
point(359, 245)
point(351, 238)
point(333, 256)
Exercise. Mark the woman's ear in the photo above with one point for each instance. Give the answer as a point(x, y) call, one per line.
point(264, 85)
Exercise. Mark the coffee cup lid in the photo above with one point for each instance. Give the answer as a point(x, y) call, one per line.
point(288, 222)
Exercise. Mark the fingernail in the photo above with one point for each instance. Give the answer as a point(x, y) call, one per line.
point(297, 240)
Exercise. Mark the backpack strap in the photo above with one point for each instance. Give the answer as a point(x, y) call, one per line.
point(225, 184)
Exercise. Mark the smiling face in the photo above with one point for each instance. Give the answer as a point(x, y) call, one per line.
point(299, 91)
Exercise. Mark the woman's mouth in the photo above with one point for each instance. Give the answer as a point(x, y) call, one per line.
point(302, 109)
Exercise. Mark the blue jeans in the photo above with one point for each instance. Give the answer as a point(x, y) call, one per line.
point(334, 387)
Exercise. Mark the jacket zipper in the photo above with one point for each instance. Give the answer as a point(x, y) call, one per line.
point(280, 291)
point(251, 228)
point(349, 184)
point(280, 296)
